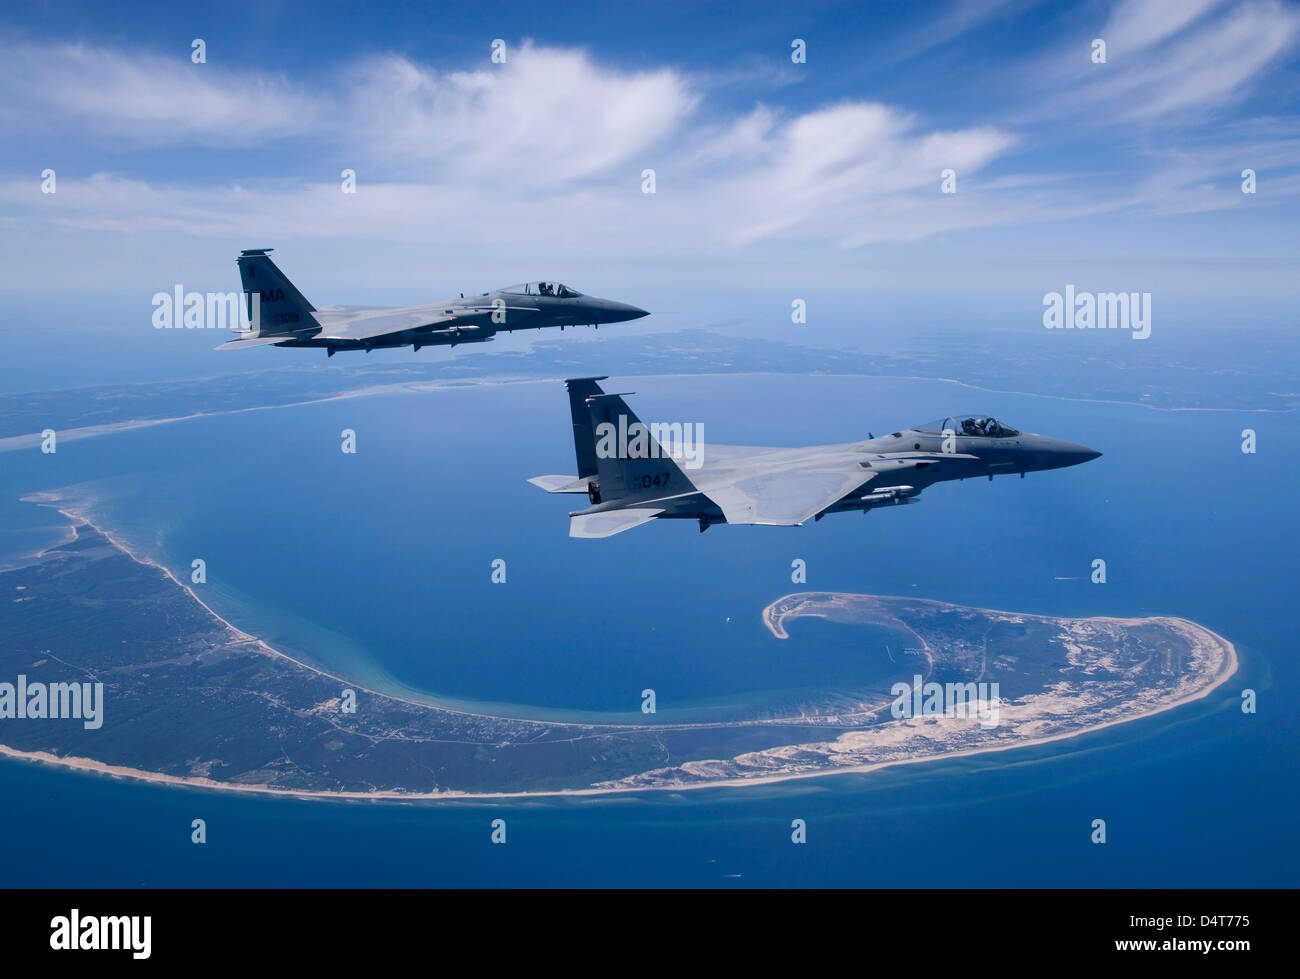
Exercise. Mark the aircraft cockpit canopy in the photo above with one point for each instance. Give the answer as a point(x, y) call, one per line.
point(970, 426)
point(556, 290)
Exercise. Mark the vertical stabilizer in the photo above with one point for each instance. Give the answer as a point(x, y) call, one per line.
point(584, 441)
point(631, 463)
point(280, 310)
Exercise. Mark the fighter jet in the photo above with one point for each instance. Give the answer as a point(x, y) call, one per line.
point(634, 473)
point(283, 317)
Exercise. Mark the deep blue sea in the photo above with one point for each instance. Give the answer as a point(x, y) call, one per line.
point(377, 566)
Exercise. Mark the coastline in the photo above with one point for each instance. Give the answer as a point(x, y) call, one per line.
point(13, 443)
point(1194, 632)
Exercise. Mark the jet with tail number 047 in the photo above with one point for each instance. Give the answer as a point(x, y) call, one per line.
point(282, 316)
point(631, 477)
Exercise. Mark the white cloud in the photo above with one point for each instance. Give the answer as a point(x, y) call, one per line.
point(964, 16)
point(544, 153)
point(546, 147)
point(838, 172)
point(547, 114)
point(143, 99)
point(1171, 61)
point(1137, 24)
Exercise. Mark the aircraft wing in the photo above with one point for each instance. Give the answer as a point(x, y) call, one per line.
point(785, 498)
point(789, 496)
point(360, 323)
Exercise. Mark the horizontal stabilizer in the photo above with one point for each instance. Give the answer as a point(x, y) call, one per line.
point(562, 484)
point(252, 341)
point(609, 522)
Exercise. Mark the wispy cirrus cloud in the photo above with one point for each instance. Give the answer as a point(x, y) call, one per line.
point(830, 173)
point(144, 99)
point(1135, 25)
point(963, 16)
point(1172, 61)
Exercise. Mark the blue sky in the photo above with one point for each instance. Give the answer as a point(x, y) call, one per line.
point(770, 174)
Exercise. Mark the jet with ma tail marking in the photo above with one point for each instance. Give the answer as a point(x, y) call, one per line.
point(771, 486)
point(286, 319)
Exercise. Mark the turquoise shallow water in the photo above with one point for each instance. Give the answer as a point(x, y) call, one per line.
point(377, 566)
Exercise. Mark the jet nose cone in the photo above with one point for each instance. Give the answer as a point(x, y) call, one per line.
point(609, 311)
point(1073, 454)
point(621, 312)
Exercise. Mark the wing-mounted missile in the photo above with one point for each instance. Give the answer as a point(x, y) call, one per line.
point(884, 496)
point(890, 494)
point(914, 460)
point(458, 332)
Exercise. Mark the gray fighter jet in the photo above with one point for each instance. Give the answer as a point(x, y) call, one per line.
point(633, 473)
point(283, 317)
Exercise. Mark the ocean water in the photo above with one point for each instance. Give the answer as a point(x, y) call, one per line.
point(377, 566)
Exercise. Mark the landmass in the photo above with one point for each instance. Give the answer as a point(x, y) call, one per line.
point(190, 699)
